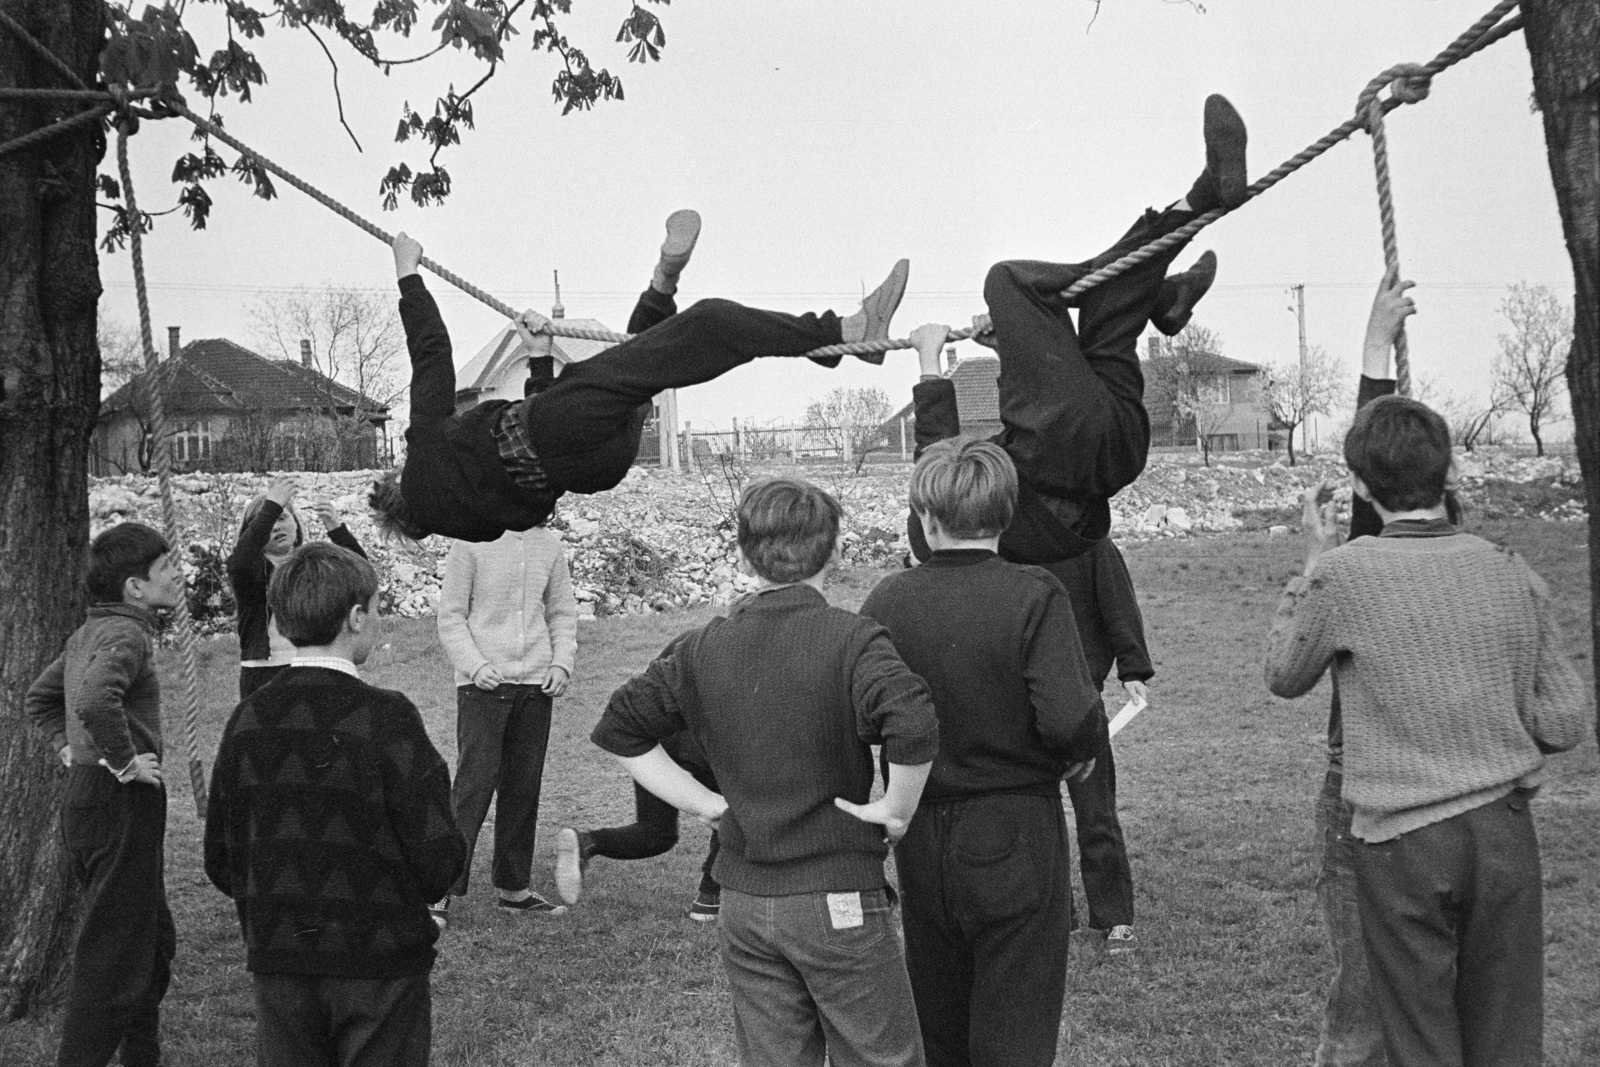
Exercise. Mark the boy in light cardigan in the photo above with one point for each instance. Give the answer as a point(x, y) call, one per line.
point(509, 623)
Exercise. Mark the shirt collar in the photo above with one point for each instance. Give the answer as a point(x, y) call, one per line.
point(960, 557)
point(332, 663)
point(1419, 528)
point(140, 615)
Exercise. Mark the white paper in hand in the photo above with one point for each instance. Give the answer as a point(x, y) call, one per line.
point(1125, 716)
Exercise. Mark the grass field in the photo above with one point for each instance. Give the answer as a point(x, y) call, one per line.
point(1217, 780)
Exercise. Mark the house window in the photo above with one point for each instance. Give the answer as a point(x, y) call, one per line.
point(192, 443)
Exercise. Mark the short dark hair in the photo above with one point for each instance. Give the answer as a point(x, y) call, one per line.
point(254, 508)
point(788, 528)
point(390, 513)
point(312, 592)
point(125, 551)
point(1400, 448)
point(970, 486)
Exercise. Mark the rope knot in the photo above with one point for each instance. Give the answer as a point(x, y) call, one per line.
point(126, 122)
point(1407, 84)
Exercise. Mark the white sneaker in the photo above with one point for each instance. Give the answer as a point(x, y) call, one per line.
point(1120, 941)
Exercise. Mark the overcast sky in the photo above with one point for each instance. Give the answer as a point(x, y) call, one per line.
point(822, 141)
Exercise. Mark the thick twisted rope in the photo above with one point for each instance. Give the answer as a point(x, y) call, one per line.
point(55, 61)
point(190, 700)
point(55, 129)
point(1408, 85)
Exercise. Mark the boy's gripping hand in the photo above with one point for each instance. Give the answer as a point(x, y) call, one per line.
point(1390, 309)
point(929, 342)
point(407, 255)
point(983, 330)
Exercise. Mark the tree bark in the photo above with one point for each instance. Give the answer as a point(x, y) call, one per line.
point(49, 393)
point(1563, 39)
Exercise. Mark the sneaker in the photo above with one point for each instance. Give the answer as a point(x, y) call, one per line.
point(706, 907)
point(570, 863)
point(1181, 292)
point(533, 902)
point(440, 913)
point(1120, 941)
point(879, 307)
point(1223, 183)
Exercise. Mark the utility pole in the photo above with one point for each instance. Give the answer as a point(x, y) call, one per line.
point(1300, 314)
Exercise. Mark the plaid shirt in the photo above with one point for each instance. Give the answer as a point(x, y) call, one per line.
point(520, 460)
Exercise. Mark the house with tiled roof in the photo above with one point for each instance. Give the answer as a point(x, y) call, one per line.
point(977, 398)
point(228, 408)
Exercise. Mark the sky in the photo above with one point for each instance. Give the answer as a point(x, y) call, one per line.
point(822, 141)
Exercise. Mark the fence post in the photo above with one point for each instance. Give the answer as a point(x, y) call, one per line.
point(794, 446)
point(903, 438)
point(844, 429)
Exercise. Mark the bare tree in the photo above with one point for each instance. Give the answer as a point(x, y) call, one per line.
point(1187, 377)
point(121, 355)
point(855, 416)
point(1528, 372)
point(1297, 390)
point(1472, 419)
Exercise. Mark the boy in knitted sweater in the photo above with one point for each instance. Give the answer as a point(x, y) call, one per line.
point(509, 623)
point(1453, 685)
point(786, 696)
point(502, 466)
point(99, 704)
point(330, 827)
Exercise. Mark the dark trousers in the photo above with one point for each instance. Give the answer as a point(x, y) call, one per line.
point(585, 427)
point(253, 678)
point(1102, 852)
point(310, 1020)
point(501, 737)
point(654, 831)
point(115, 838)
point(987, 896)
point(1072, 400)
point(1352, 1035)
point(1452, 915)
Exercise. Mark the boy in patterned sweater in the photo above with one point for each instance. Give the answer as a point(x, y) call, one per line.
point(330, 827)
point(1453, 685)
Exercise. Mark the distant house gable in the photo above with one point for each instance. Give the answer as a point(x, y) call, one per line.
point(977, 399)
point(499, 369)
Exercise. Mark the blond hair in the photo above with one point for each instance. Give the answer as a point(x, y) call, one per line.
point(970, 486)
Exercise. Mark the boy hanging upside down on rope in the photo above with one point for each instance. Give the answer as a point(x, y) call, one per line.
point(1072, 400)
point(501, 465)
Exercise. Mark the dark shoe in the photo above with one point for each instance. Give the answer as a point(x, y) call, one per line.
point(1223, 183)
point(879, 307)
point(830, 361)
point(706, 907)
point(570, 864)
point(533, 903)
point(440, 913)
point(1181, 292)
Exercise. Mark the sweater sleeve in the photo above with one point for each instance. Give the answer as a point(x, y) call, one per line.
point(46, 703)
point(341, 536)
point(936, 414)
point(1554, 715)
point(246, 572)
point(417, 799)
point(1119, 613)
point(1303, 640)
point(455, 599)
point(648, 708)
point(218, 795)
point(561, 614)
point(116, 659)
point(893, 705)
point(433, 369)
point(1067, 710)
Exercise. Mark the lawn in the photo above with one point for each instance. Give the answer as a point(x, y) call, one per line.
point(1218, 781)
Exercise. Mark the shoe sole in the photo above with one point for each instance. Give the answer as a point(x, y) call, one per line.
point(704, 917)
point(569, 866)
point(1225, 134)
point(683, 230)
point(887, 297)
point(554, 910)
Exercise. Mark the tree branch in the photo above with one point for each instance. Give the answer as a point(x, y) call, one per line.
point(337, 97)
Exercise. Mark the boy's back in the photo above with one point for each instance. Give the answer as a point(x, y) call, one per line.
point(330, 826)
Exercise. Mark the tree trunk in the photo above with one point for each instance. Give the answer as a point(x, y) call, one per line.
point(49, 393)
point(1538, 442)
point(1564, 43)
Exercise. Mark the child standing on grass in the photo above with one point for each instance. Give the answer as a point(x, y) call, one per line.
point(509, 623)
point(984, 867)
point(99, 704)
point(270, 531)
point(786, 696)
point(330, 827)
point(1453, 684)
point(1072, 399)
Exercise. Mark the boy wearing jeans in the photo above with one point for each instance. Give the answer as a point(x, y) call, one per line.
point(786, 696)
point(1452, 687)
point(99, 704)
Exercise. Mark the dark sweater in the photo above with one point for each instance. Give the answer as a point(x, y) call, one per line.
point(1044, 529)
point(999, 648)
point(785, 697)
point(101, 695)
point(1107, 610)
point(250, 572)
point(455, 483)
point(330, 826)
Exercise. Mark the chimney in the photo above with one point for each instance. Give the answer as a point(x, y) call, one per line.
point(305, 353)
point(950, 359)
point(173, 348)
point(556, 310)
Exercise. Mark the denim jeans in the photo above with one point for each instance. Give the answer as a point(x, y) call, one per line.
point(501, 737)
point(1351, 1033)
point(312, 1020)
point(1453, 919)
point(804, 989)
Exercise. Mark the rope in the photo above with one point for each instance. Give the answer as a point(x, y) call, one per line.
point(55, 129)
point(55, 61)
point(169, 511)
point(68, 96)
point(1408, 85)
